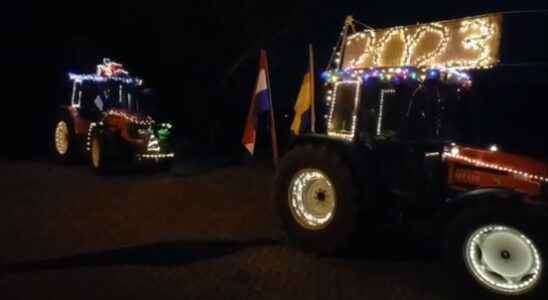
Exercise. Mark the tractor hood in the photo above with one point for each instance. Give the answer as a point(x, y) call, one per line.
point(493, 168)
point(129, 117)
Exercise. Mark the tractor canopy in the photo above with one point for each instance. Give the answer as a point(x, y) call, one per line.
point(110, 88)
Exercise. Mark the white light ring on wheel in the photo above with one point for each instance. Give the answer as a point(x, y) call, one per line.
point(303, 208)
point(489, 274)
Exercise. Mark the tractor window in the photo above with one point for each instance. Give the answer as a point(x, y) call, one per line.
point(384, 112)
point(76, 96)
point(387, 123)
point(343, 110)
point(88, 96)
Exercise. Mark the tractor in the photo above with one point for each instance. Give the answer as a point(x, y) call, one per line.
point(106, 123)
point(393, 144)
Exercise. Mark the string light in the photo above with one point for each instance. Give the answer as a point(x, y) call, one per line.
point(480, 163)
point(133, 119)
point(107, 71)
point(80, 78)
point(155, 156)
point(331, 131)
point(88, 141)
point(478, 34)
point(381, 107)
point(477, 41)
point(397, 74)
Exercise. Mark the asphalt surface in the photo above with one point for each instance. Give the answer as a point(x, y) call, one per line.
point(193, 233)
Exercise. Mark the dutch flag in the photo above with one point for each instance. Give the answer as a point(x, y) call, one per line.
point(260, 102)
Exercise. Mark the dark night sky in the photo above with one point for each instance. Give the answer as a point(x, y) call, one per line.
point(200, 56)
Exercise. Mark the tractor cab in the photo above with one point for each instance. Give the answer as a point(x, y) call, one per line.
point(111, 88)
point(406, 117)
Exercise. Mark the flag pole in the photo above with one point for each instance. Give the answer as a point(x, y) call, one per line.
point(312, 89)
point(272, 121)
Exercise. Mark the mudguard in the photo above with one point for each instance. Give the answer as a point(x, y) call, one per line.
point(492, 197)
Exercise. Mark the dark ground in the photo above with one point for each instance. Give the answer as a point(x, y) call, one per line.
point(67, 234)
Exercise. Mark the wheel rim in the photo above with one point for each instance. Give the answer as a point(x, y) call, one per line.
point(503, 259)
point(95, 153)
point(62, 138)
point(312, 199)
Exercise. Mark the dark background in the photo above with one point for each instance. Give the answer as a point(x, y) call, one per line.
point(201, 59)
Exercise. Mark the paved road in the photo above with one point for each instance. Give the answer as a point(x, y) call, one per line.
point(67, 234)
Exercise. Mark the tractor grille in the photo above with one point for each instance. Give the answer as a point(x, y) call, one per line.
point(138, 131)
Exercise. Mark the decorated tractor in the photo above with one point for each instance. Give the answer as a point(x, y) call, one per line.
point(106, 123)
point(391, 155)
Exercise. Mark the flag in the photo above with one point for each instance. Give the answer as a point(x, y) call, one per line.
point(260, 102)
point(304, 107)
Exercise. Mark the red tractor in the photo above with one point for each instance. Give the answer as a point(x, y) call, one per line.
point(106, 123)
point(392, 146)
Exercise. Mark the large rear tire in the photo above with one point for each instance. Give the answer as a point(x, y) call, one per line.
point(316, 199)
point(64, 139)
point(498, 254)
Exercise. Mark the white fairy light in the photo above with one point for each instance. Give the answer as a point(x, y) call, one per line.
point(471, 34)
point(330, 131)
point(480, 163)
point(381, 107)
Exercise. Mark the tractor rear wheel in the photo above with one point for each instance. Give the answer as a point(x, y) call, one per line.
point(316, 199)
point(64, 140)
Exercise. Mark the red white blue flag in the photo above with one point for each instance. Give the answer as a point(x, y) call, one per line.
point(260, 102)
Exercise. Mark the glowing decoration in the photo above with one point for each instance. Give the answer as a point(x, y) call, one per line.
point(155, 156)
point(396, 75)
point(133, 119)
point(493, 148)
point(468, 43)
point(110, 68)
point(455, 154)
point(309, 211)
point(80, 78)
point(88, 139)
point(331, 131)
point(108, 71)
point(517, 274)
point(381, 108)
point(153, 143)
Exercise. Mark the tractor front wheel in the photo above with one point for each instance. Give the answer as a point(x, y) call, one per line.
point(64, 142)
point(501, 255)
point(97, 154)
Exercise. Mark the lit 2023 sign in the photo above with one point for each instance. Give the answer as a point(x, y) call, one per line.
point(467, 43)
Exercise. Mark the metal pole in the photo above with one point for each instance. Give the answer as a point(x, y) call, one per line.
point(312, 89)
point(272, 121)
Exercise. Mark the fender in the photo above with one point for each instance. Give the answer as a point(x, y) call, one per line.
point(491, 197)
point(353, 152)
point(359, 158)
